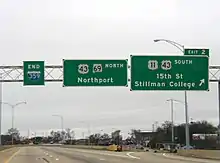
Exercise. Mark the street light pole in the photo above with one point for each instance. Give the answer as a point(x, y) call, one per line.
point(62, 124)
point(153, 128)
point(88, 128)
point(172, 123)
point(156, 125)
point(12, 117)
point(219, 112)
point(1, 110)
point(181, 48)
point(172, 115)
point(187, 122)
point(1, 97)
point(100, 136)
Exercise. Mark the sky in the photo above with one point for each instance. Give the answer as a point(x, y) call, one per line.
point(52, 30)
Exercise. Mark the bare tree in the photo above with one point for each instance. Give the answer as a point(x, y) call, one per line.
point(14, 132)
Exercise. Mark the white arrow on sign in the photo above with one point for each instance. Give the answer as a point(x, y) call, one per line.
point(202, 82)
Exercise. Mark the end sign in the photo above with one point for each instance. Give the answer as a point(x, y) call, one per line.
point(33, 72)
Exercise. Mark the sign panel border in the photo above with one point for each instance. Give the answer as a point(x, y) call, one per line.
point(29, 85)
point(126, 60)
point(156, 90)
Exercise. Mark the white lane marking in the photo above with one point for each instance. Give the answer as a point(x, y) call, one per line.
point(57, 159)
point(102, 159)
point(45, 160)
point(107, 154)
point(129, 155)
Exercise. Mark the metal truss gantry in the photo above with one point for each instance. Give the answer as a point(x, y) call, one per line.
point(54, 73)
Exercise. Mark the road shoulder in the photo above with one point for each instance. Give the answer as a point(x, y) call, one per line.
point(8, 154)
point(191, 159)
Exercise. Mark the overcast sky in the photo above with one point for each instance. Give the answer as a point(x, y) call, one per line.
point(51, 30)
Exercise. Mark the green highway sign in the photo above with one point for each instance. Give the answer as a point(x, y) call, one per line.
point(170, 73)
point(95, 73)
point(33, 72)
point(196, 52)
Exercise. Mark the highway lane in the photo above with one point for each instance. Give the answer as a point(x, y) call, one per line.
point(92, 156)
point(5, 154)
point(37, 154)
point(26, 154)
point(123, 157)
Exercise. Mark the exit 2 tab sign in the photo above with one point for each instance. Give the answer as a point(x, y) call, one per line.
point(196, 52)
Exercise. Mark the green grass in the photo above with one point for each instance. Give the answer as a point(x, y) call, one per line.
point(4, 147)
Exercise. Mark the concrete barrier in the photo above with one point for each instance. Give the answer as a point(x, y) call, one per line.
point(94, 147)
point(86, 147)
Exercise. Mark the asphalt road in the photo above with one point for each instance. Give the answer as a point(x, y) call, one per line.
point(36, 154)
